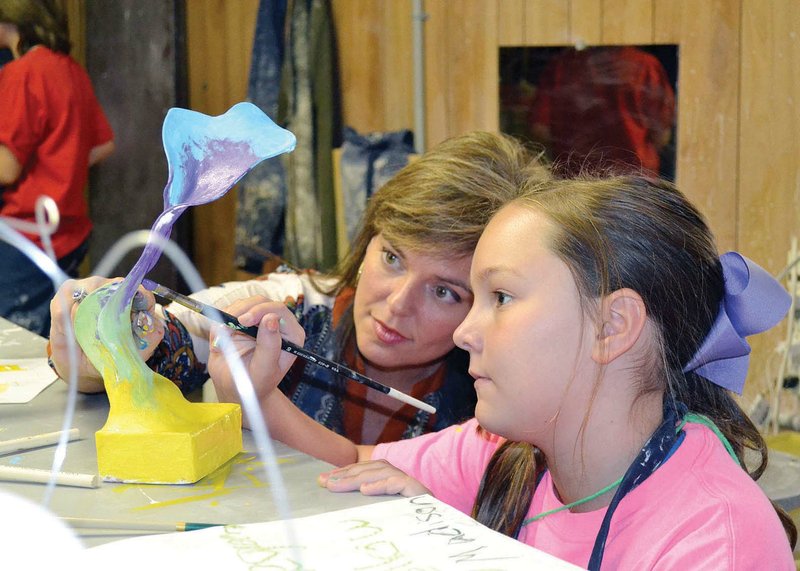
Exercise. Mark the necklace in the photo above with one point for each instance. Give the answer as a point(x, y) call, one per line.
point(597, 494)
point(669, 420)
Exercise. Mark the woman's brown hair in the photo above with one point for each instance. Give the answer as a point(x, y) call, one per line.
point(439, 204)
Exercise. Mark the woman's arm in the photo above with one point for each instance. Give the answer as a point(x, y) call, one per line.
point(293, 427)
point(266, 365)
point(62, 316)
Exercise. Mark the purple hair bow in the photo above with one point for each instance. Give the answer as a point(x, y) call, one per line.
point(754, 301)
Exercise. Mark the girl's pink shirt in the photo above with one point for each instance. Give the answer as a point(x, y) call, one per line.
point(699, 510)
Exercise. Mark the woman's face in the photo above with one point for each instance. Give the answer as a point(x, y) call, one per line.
point(526, 334)
point(407, 305)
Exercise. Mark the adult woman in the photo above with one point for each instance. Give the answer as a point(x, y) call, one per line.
point(51, 130)
point(389, 311)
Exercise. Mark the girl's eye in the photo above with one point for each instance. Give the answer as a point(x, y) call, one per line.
point(446, 294)
point(501, 298)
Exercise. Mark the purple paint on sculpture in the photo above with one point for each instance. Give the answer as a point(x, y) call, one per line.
point(206, 156)
point(225, 164)
point(210, 177)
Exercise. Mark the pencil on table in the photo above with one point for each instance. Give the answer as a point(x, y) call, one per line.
point(34, 475)
point(28, 442)
point(95, 523)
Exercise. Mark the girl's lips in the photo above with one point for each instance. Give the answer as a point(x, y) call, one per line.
point(386, 334)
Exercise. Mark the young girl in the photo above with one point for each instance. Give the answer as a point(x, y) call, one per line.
point(605, 338)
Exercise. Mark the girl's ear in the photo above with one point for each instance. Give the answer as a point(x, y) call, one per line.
point(623, 318)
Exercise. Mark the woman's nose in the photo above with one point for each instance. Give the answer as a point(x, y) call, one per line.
point(401, 299)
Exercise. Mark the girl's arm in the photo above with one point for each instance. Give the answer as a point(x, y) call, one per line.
point(101, 152)
point(10, 169)
point(377, 478)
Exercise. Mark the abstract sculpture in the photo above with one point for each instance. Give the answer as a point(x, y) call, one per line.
point(153, 434)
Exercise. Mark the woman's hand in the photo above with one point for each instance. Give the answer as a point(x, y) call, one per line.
point(262, 357)
point(145, 324)
point(373, 478)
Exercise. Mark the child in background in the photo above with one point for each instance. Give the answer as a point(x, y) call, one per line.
point(52, 129)
point(606, 338)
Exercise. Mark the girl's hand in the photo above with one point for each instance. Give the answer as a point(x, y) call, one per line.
point(262, 357)
point(147, 327)
point(373, 478)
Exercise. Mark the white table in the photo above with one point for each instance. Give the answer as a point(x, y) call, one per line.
point(238, 492)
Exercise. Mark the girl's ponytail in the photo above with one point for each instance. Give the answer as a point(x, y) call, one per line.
point(507, 487)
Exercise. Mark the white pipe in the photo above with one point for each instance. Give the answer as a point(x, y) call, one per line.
point(418, 24)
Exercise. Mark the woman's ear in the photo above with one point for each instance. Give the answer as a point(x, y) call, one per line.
point(623, 318)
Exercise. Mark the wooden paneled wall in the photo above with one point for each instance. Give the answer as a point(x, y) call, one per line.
point(739, 94)
point(219, 36)
point(768, 152)
point(738, 153)
point(75, 11)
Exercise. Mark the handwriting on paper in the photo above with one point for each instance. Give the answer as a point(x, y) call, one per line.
point(418, 533)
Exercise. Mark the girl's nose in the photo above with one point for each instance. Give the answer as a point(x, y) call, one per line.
point(465, 336)
point(401, 299)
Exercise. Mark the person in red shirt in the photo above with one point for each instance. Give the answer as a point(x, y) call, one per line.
point(52, 129)
point(600, 108)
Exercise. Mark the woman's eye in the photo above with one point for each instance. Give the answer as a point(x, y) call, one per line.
point(390, 257)
point(501, 298)
point(446, 294)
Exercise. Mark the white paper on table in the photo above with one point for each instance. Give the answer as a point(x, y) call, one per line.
point(419, 533)
point(23, 379)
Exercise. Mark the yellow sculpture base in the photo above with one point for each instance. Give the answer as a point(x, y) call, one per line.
point(153, 434)
point(164, 456)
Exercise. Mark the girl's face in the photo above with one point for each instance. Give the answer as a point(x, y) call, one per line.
point(525, 334)
point(407, 306)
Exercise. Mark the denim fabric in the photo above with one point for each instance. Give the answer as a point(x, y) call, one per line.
point(368, 162)
point(262, 192)
point(26, 291)
point(308, 103)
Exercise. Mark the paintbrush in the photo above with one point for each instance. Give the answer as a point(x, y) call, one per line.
point(227, 319)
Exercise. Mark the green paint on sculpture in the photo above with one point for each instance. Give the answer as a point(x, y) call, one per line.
point(153, 434)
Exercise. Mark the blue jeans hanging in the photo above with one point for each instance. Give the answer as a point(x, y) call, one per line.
point(262, 193)
point(368, 162)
